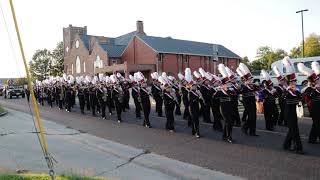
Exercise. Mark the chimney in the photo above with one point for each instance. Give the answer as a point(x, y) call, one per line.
point(140, 27)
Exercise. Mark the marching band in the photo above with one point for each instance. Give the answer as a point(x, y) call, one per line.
point(200, 92)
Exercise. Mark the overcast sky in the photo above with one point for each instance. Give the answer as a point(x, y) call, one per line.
point(240, 25)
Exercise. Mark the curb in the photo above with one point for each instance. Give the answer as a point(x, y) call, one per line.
point(4, 113)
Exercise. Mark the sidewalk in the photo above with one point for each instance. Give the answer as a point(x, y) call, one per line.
point(84, 154)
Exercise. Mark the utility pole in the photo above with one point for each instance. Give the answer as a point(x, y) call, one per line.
point(301, 12)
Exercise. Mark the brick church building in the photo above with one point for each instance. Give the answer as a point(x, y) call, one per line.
point(136, 51)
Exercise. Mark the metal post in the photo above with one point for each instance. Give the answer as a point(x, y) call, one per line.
point(301, 11)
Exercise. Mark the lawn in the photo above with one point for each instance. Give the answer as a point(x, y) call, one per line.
point(1, 110)
point(44, 177)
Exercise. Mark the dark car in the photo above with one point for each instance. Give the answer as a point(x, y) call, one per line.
point(1, 89)
point(14, 91)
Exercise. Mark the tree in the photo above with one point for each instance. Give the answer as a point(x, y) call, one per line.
point(21, 81)
point(312, 45)
point(57, 55)
point(295, 52)
point(40, 65)
point(266, 56)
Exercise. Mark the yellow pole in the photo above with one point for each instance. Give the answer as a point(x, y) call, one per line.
point(45, 146)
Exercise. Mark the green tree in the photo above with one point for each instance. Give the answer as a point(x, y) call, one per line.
point(21, 81)
point(312, 45)
point(57, 63)
point(295, 52)
point(41, 64)
point(266, 56)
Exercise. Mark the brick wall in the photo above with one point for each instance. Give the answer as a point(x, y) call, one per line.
point(70, 59)
point(137, 52)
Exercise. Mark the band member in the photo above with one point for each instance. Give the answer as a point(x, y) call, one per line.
point(92, 99)
point(176, 89)
point(61, 92)
point(27, 94)
point(215, 104)
point(87, 97)
point(102, 99)
point(225, 95)
point(117, 97)
point(81, 97)
point(207, 94)
point(169, 103)
point(185, 99)
point(145, 99)
point(49, 92)
point(281, 88)
point(126, 95)
point(249, 101)
point(292, 97)
point(68, 98)
point(135, 90)
point(312, 92)
point(269, 102)
point(194, 97)
point(235, 97)
point(156, 92)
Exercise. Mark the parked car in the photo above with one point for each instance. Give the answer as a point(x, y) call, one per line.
point(1, 89)
point(13, 90)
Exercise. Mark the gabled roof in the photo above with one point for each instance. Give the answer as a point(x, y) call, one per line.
point(124, 39)
point(113, 51)
point(176, 46)
point(85, 40)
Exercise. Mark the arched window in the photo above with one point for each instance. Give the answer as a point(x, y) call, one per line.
point(78, 65)
point(98, 63)
point(84, 66)
point(71, 68)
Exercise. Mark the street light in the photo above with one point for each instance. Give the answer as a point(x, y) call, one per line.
point(301, 11)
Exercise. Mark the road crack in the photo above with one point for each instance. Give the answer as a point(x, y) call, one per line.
point(125, 163)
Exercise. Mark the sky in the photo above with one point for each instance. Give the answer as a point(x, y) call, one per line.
point(240, 25)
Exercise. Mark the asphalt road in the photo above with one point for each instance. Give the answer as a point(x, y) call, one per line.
point(249, 157)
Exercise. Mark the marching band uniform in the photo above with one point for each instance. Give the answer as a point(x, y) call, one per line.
point(87, 97)
point(110, 102)
point(249, 101)
point(93, 100)
point(215, 108)
point(312, 92)
point(292, 98)
point(126, 95)
point(178, 101)
point(169, 104)
point(117, 97)
point(146, 106)
point(68, 99)
point(185, 98)
point(137, 101)
point(194, 109)
point(269, 102)
point(81, 97)
point(194, 97)
point(157, 95)
point(280, 88)
point(207, 97)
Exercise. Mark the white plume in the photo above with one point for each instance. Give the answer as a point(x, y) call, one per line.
point(222, 70)
point(315, 67)
point(180, 76)
point(188, 75)
point(196, 74)
point(304, 70)
point(240, 73)
point(202, 72)
point(288, 65)
point(276, 71)
point(265, 75)
point(244, 68)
